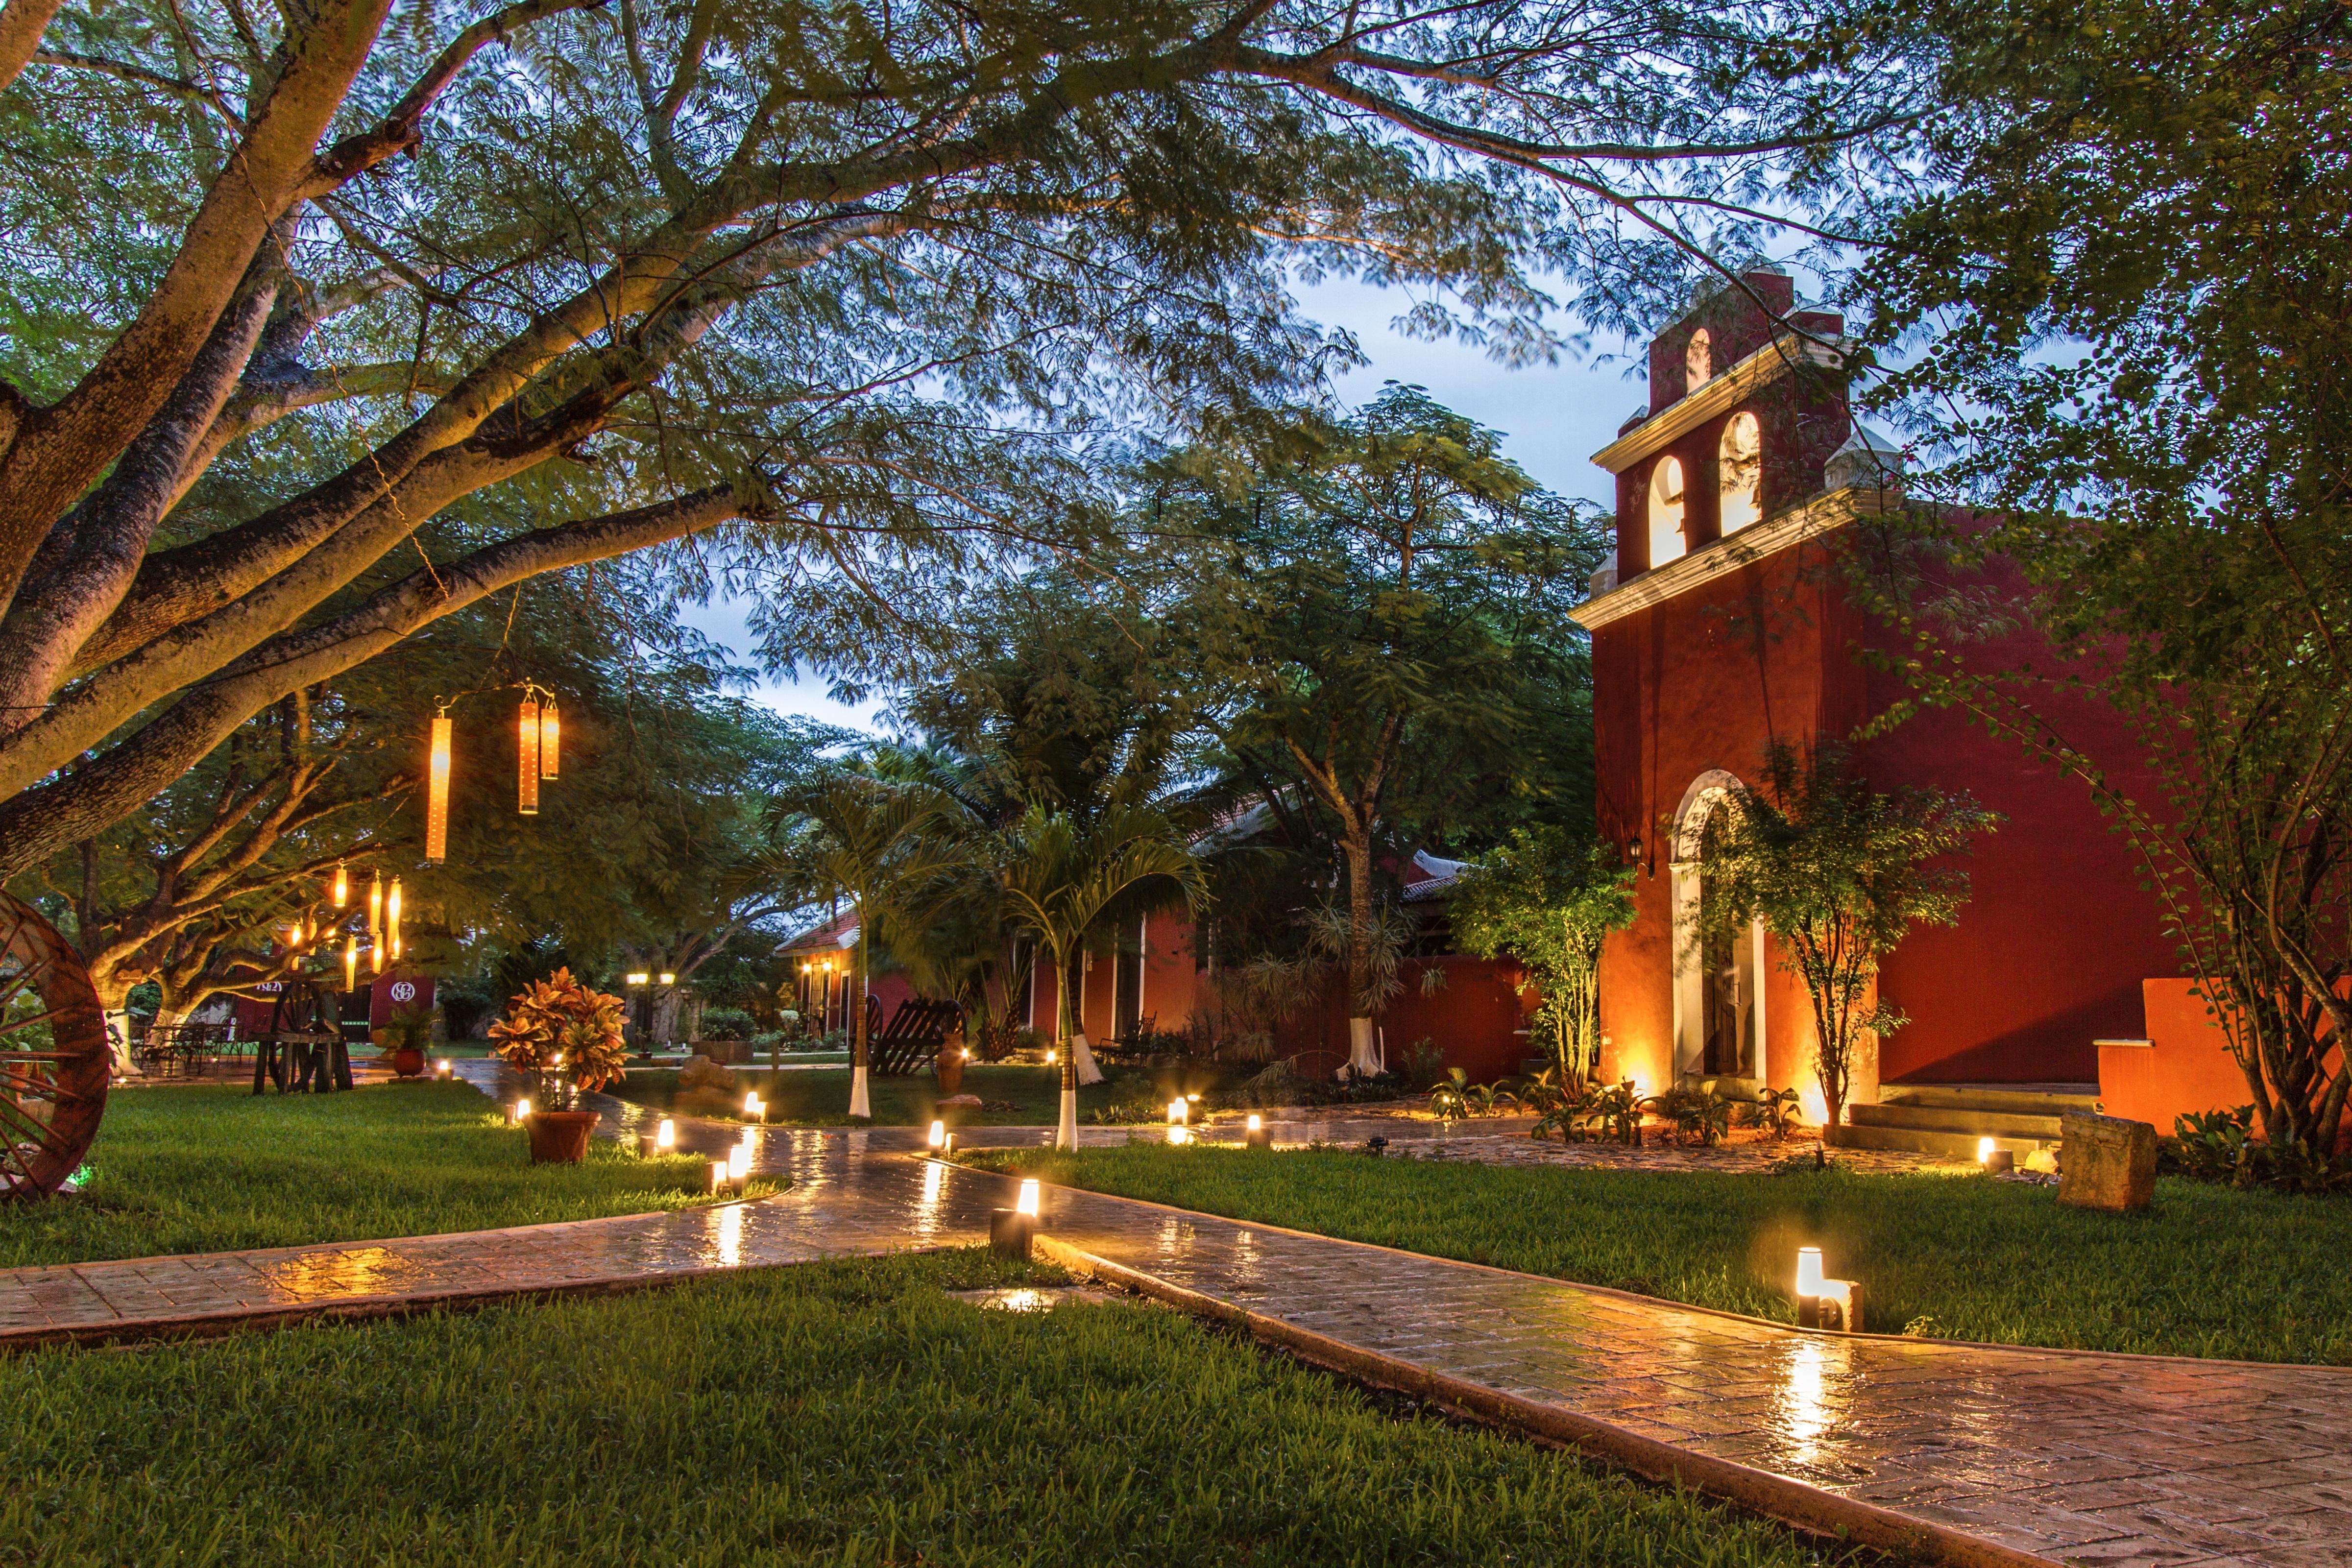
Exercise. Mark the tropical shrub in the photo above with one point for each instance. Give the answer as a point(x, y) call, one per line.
point(565, 1036)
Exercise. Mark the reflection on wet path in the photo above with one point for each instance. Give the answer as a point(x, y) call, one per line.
point(2114, 1461)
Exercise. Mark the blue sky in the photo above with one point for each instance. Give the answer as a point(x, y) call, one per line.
point(1553, 418)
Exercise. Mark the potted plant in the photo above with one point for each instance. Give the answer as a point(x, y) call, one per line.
point(566, 1038)
point(402, 1039)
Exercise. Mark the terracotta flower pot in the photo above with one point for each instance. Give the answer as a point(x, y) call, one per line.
point(407, 1062)
point(561, 1137)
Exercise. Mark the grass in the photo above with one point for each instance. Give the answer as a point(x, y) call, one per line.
point(203, 1168)
point(821, 1098)
point(2251, 1276)
point(844, 1413)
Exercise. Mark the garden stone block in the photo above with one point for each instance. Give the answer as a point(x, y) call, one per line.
point(702, 1073)
point(2107, 1163)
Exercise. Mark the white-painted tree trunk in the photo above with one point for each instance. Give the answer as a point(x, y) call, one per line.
point(1087, 1072)
point(1363, 1056)
point(118, 1040)
point(1065, 1137)
point(859, 1105)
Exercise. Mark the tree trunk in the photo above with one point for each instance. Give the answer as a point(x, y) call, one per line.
point(1065, 1134)
point(1082, 1056)
point(859, 1105)
point(1363, 1055)
point(668, 1002)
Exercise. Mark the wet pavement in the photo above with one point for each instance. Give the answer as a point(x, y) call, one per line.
point(2090, 1458)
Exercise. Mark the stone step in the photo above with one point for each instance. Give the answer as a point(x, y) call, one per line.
point(1925, 1141)
point(2027, 1099)
point(1939, 1119)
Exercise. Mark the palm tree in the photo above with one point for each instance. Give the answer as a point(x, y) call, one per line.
point(1060, 874)
point(872, 843)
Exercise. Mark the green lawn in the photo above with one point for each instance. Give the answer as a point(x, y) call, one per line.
point(821, 1098)
point(206, 1169)
point(843, 1413)
point(2248, 1275)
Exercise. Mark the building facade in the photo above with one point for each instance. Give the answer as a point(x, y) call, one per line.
point(1726, 622)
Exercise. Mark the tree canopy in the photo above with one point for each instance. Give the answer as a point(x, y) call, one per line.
point(320, 329)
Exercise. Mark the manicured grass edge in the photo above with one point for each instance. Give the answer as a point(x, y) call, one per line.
point(1791, 1503)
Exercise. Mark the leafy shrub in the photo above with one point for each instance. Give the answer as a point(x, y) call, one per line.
point(1424, 1064)
point(726, 1023)
point(1700, 1116)
point(2220, 1146)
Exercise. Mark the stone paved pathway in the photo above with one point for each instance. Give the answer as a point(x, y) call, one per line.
point(2112, 1461)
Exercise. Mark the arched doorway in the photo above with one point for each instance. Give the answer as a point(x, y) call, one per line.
point(1718, 995)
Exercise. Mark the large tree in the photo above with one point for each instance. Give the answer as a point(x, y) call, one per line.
point(2133, 283)
point(1383, 621)
point(321, 330)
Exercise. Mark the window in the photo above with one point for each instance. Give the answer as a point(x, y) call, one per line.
point(1741, 461)
point(1698, 362)
point(1665, 511)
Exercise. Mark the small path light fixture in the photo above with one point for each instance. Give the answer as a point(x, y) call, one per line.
point(1011, 1231)
point(1993, 1160)
point(1823, 1302)
point(1255, 1136)
point(938, 1139)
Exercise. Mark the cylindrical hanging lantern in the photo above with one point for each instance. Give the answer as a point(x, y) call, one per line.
point(527, 765)
point(392, 918)
point(550, 738)
point(376, 910)
point(436, 794)
point(343, 886)
point(351, 963)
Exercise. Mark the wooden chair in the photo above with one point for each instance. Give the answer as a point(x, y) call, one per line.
point(911, 1042)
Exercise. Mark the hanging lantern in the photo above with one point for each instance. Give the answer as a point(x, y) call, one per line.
point(343, 886)
point(550, 738)
point(392, 918)
point(376, 910)
point(436, 793)
point(351, 963)
point(526, 767)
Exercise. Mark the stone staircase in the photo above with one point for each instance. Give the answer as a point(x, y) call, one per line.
point(1947, 1119)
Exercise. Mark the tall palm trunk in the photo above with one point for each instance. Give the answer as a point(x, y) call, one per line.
point(1081, 1053)
point(859, 1103)
point(1065, 1135)
point(1363, 1054)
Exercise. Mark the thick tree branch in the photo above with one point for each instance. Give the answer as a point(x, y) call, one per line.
point(22, 23)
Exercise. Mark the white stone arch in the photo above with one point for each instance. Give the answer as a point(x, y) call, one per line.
point(1710, 792)
point(1668, 502)
point(1740, 463)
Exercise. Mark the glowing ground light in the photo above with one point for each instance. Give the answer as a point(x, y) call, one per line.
point(1027, 1202)
point(938, 1134)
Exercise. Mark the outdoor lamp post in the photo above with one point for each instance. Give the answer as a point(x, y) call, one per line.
point(634, 981)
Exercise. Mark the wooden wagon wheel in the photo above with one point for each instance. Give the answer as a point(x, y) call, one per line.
point(54, 1058)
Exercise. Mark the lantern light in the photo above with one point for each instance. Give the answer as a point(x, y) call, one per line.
point(550, 737)
point(1809, 1272)
point(938, 1134)
point(1027, 1203)
point(667, 979)
point(441, 1069)
point(666, 1134)
point(1178, 1111)
point(436, 793)
point(717, 1175)
point(1256, 1122)
point(635, 978)
point(526, 767)
point(753, 1107)
point(1984, 1151)
point(375, 909)
point(521, 1111)
point(391, 917)
point(351, 963)
point(738, 1162)
point(343, 886)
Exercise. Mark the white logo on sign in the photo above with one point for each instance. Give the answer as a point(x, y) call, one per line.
point(404, 990)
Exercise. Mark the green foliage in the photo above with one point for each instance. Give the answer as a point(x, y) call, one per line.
point(2209, 1271)
point(1549, 897)
point(209, 1169)
point(1382, 614)
point(1838, 872)
point(1699, 1114)
point(2131, 274)
point(819, 1097)
point(726, 1023)
point(744, 1419)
